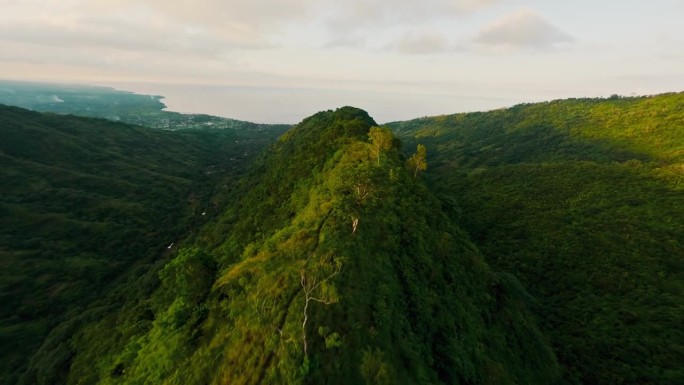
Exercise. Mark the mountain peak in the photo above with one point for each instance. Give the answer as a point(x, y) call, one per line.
point(339, 266)
point(330, 126)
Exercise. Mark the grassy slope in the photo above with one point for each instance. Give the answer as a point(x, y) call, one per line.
point(583, 200)
point(83, 203)
point(404, 299)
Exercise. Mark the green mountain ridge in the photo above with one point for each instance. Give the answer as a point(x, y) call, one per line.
point(331, 263)
point(582, 200)
point(329, 255)
point(406, 288)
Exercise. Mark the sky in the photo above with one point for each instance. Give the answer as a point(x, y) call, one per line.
point(282, 60)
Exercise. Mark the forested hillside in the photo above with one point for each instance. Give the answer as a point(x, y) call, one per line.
point(583, 200)
point(538, 244)
point(332, 263)
point(85, 206)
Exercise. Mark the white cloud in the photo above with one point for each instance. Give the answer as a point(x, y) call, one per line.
point(348, 41)
point(423, 44)
point(116, 34)
point(220, 27)
point(371, 18)
point(524, 29)
point(353, 14)
point(205, 26)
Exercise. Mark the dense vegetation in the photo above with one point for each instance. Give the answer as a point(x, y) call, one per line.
point(333, 263)
point(583, 200)
point(86, 204)
point(139, 256)
point(407, 298)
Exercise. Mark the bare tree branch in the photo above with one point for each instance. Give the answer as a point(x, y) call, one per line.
point(309, 286)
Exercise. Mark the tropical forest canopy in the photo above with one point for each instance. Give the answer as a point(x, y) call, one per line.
point(84, 201)
point(536, 244)
point(583, 200)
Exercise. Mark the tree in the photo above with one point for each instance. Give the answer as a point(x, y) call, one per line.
point(381, 140)
point(314, 277)
point(417, 161)
point(375, 369)
point(356, 184)
point(189, 275)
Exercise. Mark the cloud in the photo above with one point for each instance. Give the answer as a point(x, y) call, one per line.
point(423, 44)
point(115, 34)
point(371, 20)
point(522, 30)
point(358, 14)
point(216, 13)
point(203, 26)
point(220, 27)
point(346, 41)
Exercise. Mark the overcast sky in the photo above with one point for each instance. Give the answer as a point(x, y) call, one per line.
point(281, 60)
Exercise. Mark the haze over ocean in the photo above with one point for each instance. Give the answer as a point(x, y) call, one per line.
point(291, 105)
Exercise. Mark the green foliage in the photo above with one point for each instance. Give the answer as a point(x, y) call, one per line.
point(410, 289)
point(280, 287)
point(328, 261)
point(582, 199)
point(375, 370)
point(381, 139)
point(596, 130)
point(417, 161)
point(89, 211)
point(189, 275)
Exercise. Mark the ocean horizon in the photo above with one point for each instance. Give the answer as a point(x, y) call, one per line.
point(290, 104)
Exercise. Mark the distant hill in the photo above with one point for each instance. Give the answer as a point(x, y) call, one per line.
point(94, 101)
point(116, 105)
point(583, 200)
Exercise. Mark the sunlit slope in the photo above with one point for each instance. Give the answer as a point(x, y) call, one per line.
point(582, 200)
